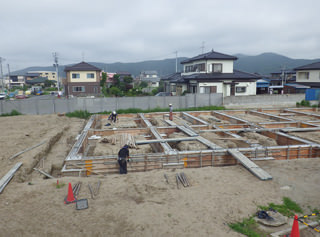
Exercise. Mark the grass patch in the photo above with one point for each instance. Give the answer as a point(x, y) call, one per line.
point(83, 114)
point(247, 227)
point(136, 110)
point(288, 208)
point(13, 113)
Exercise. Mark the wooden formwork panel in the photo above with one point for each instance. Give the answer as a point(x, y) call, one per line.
point(109, 132)
point(228, 118)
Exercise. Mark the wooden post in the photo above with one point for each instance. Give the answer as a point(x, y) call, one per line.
point(310, 152)
point(212, 159)
point(201, 159)
point(145, 163)
point(298, 152)
point(288, 151)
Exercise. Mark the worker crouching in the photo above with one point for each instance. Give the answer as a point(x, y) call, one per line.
point(123, 155)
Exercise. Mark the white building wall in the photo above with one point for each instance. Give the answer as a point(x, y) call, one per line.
point(227, 65)
point(201, 86)
point(225, 89)
point(250, 88)
point(314, 76)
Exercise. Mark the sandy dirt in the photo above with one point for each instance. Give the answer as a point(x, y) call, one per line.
point(136, 204)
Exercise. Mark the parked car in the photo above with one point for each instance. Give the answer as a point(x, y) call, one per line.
point(19, 96)
point(3, 96)
point(163, 94)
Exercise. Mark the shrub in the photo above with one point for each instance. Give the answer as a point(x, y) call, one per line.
point(83, 114)
point(12, 113)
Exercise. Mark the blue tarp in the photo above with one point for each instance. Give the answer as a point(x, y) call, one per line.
point(312, 94)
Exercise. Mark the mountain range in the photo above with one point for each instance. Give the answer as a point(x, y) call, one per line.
point(263, 64)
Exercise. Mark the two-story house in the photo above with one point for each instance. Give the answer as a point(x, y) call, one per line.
point(151, 77)
point(309, 75)
point(82, 79)
point(211, 72)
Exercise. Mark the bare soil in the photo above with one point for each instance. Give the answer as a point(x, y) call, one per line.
point(136, 204)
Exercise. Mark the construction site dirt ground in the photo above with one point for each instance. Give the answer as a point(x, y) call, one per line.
point(136, 204)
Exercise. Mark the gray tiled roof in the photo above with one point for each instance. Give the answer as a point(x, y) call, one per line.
point(311, 66)
point(210, 55)
point(83, 66)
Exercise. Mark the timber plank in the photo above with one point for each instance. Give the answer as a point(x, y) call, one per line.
point(251, 166)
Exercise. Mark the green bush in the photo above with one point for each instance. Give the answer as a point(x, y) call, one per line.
point(83, 114)
point(13, 113)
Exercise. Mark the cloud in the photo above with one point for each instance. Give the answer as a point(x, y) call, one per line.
point(109, 31)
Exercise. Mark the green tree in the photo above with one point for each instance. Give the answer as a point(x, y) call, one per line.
point(143, 84)
point(103, 80)
point(155, 91)
point(115, 91)
point(48, 83)
point(128, 79)
point(116, 80)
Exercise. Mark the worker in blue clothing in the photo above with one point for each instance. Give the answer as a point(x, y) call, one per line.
point(123, 155)
point(113, 116)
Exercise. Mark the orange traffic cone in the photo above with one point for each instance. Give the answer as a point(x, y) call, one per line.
point(70, 198)
point(295, 228)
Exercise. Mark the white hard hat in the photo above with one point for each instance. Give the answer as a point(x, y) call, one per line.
point(114, 112)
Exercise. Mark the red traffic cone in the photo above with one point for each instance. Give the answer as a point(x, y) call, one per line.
point(295, 228)
point(70, 198)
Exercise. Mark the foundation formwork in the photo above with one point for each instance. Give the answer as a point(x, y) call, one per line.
point(182, 143)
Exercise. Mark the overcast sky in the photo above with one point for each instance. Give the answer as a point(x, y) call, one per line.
point(137, 30)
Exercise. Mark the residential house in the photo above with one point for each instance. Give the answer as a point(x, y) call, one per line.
point(50, 75)
point(15, 80)
point(82, 79)
point(152, 78)
point(309, 75)
point(31, 75)
point(211, 72)
point(110, 81)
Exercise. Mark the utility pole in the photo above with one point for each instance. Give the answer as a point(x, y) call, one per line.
point(202, 47)
point(9, 76)
point(1, 72)
point(176, 52)
point(283, 68)
point(56, 65)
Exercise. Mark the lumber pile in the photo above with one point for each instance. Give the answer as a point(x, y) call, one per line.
point(6, 179)
point(128, 139)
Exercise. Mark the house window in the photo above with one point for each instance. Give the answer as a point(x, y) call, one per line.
point(217, 67)
point(241, 89)
point(90, 75)
point(304, 75)
point(78, 89)
point(188, 68)
point(199, 67)
point(75, 75)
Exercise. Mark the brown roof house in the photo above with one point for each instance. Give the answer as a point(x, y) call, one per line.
point(82, 79)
